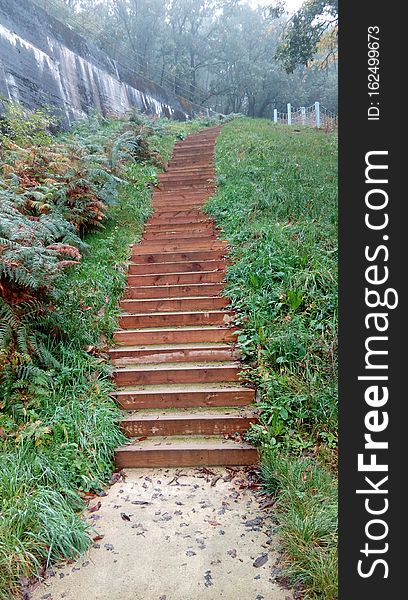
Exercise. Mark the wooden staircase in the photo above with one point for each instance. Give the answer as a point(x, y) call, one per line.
point(177, 367)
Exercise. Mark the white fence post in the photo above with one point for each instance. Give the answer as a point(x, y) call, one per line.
point(303, 115)
point(317, 111)
point(289, 114)
point(275, 115)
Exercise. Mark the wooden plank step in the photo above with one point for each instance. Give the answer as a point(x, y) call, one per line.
point(175, 183)
point(182, 160)
point(188, 173)
point(175, 319)
point(190, 452)
point(186, 218)
point(186, 396)
point(173, 353)
point(177, 278)
point(174, 186)
point(182, 194)
point(195, 256)
point(204, 235)
point(177, 373)
point(175, 335)
point(166, 210)
point(187, 423)
point(192, 169)
point(178, 245)
point(151, 246)
point(174, 291)
point(148, 305)
point(181, 266)
point(157, 225)
point(171, 214)
point(177, 203)
point(207, 151)
point(187, 229)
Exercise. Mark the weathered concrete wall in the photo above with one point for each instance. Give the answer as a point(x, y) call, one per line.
point(43, 62)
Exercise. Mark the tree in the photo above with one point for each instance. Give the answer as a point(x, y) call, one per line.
point(217, 53)
point(310, 33)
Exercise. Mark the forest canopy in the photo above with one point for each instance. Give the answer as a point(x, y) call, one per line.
point(228, 55)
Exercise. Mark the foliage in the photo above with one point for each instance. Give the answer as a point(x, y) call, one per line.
point(24, 127)
point(276, 206)
point(306, 502)
point(60, 286)
point(217, 53)
point(311, 31)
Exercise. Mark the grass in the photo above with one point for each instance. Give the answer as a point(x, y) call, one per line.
point(59, 440)
point(277, 206)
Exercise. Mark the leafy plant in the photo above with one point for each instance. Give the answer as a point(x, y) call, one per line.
point(276, 206)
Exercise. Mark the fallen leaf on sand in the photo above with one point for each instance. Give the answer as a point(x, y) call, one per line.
point(95, 507)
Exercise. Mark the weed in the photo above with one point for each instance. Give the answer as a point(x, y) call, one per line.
point(276, 205)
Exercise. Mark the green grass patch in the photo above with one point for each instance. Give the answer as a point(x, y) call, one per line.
point(306, 495)
point(276, 204)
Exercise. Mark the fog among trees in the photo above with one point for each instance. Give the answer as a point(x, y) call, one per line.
point(228, 55)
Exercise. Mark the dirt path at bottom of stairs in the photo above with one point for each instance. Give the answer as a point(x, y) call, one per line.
point(176, 534)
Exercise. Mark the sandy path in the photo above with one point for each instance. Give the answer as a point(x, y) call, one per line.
point(176, 534)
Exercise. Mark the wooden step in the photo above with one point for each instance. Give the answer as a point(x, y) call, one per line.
point(172, 205)
point(157, 226)
point(191, 169)
point(186, 396)
point(175, 335)
point(181, 161)
point(157, 223)
point(187, 452)
point(169, 210)
point(209, 187)
point(174, 291)
point(204, 235)
point(181, 266)
point(206, 152)
point(147, 305)
point(177, 216)
point(177, 373)
point(174, 423)
point(187, 173)
point(175, 319)
point(173, 353)
point(195, 256)
point(180, 194)
point(177, 278)
point(181, 245)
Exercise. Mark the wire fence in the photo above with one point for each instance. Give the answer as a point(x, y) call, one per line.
point(315, 115)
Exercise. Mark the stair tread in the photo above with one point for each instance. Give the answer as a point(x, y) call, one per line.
point(158, 347)
point(189, 273)
point(185, 443)
point(168, 366)
point(179, 328)
point(176, 285)
point(178, 414)
point(201, 298)
point(182, 388)
point(180, 312)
